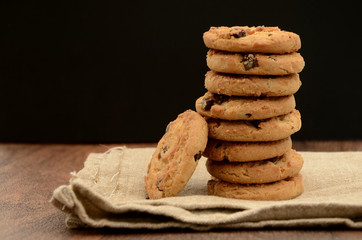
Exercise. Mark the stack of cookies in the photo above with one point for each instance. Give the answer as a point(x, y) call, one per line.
point(250, 112)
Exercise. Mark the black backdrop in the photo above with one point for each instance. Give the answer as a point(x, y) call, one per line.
point(119, 71)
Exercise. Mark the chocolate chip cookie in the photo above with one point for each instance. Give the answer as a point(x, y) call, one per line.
point(252, 85)
point(264, 171)
point(282, 190)
point(243, 108)
point(271, 129)
point(176, 155)
point(218, 150)
point(254, 63)
point(252, 39)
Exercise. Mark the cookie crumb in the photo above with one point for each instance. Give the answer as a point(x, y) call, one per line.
point(272, 58)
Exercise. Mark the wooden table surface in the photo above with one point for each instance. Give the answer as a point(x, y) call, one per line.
point(30, 172)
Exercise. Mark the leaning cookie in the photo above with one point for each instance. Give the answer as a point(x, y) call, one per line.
point(243, 108)
point(252, 85)
point(271, 129)
point(282, 190)
point(252, 39)
point(264, 171)
point(218, 150)
point(254, 63)
point(176, 155)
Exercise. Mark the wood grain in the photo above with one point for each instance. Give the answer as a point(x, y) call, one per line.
point(30, 172)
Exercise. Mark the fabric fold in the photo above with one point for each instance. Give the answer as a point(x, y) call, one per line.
point(109, 192)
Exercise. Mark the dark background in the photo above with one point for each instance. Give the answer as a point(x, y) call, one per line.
point(119, 71)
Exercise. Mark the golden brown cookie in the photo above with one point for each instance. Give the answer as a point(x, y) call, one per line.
point(243, 108)
point(252, 39)
point(254, 63)
point(218, 150)
point(176, 155)
point(282, 190)
point(252, 85)
point(264, 171)
point(271, 129)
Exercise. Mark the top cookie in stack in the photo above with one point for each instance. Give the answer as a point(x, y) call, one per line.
point(252, 39)
point(250, 110)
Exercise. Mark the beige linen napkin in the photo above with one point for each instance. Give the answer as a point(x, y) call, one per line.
point(109, 192)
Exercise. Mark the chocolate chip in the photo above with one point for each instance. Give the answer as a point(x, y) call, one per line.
point(270, 34)
point(248, 115)
point(249, 61)
point(255, 123)
point(219, 98)
point(207, 103)
point(239, 34)
point(164, 149)
point(198, 155)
